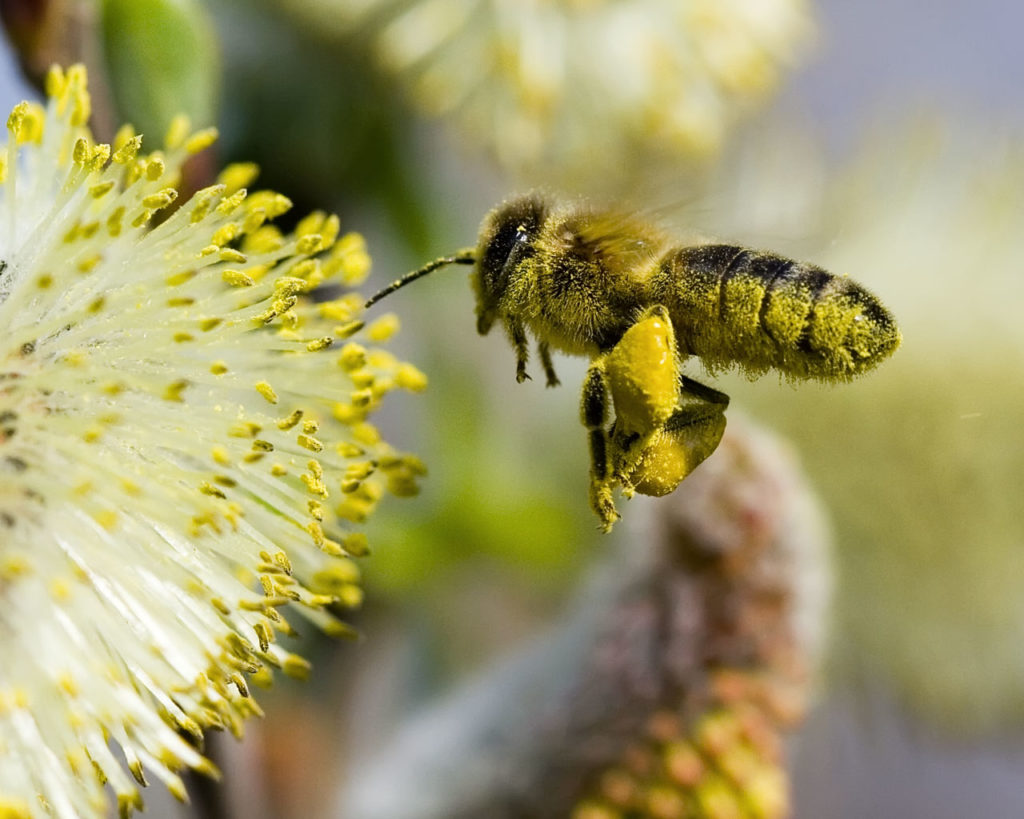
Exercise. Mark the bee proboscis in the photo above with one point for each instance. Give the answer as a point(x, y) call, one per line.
point(619, 290)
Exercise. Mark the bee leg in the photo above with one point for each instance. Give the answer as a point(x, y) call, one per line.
point(594, 414)
point(545, 358)
point(643, 377)
point(680, 445)
point(519, 342)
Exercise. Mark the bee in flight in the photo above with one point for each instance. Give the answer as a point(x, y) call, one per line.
point(614, 288)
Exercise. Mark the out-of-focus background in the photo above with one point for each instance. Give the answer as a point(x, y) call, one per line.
point(882, 140)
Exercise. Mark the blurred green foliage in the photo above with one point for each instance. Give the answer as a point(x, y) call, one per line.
point(162, 59)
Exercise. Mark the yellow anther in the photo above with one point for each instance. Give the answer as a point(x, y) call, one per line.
point(244, 429)
point(277, 205)
point(115, 222)
point(310, 223)
point(126, 144)
point(156, 201)
point(102, 189)
point(360, 471)
point(229, 254)
point(305, 269)
point(264, 240)
point(253, 221)
point(207, 488)
point(264, 389)
point(354, 265)
point(346, 449)
point(230, 203)
point(316, 531)
point(15, 118)
point(319, 344)
point(310, 443)
point(238, 175)
point(289, 286)
point(100, 156)
point(312, 243)
point(349, 329)
point(202, 202)
point(225, 234)
point(330, 230)
point(296, 667)
point(337, 310)
point(236, 278)
point(314, 486)
point(410, 378)
point(356, 544)
point(352, 357)
point(81, 103)
point(31, 127)
point(55, 83)
point(200, 140)
point(366, 433)
point(221, 455)
point(175, 389)
point(383, 328)
point(107, 518)
point(80, 154)
point(155, 166)
point(178, 279)
point(177, 131)
point(382, 360)
point(291, 420)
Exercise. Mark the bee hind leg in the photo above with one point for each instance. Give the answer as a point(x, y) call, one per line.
point(594, 414)
point(642, 372)
point(681, 444)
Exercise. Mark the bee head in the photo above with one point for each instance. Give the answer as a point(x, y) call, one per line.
point(506, 241)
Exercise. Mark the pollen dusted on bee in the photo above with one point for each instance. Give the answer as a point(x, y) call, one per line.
point(665, 424)
point(607, 285)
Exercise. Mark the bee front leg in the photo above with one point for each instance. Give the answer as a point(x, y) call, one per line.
point(519, 342)
point(594, 414)
point(545, 358)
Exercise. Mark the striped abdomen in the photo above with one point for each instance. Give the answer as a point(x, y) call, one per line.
point(753, 309)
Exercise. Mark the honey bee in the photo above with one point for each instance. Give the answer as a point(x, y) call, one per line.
point(612, 287)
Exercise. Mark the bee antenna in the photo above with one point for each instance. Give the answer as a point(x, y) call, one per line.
point(467, 256)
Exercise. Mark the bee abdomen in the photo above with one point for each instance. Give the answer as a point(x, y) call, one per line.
point(735, 306)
